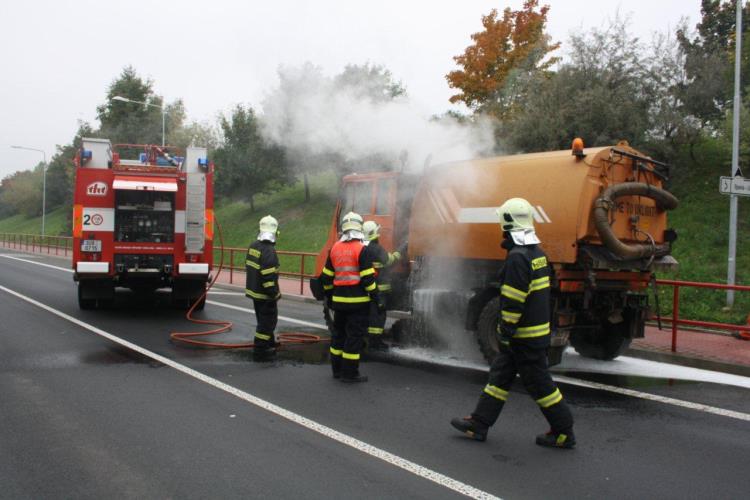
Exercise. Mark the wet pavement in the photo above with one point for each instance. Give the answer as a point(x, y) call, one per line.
point(89, 418)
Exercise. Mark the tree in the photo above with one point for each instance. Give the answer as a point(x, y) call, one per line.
point(601, 94)
point(709, 61)
point(22, 192)
point(131, 123)
point(246, 165)
point(503, 58)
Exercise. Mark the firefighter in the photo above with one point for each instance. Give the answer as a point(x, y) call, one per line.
point(262, 271)
point(524, 334)
point(348, 279)
point(381, 261)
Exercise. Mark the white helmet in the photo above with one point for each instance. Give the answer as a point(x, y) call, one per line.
point(268, 224)
point(351, 222)
point(516, 214)
point(371, 230)
point(268, 227)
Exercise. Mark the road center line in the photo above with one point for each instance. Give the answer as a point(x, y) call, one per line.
point(653, 397)
point(566, 380)
point(335, 435)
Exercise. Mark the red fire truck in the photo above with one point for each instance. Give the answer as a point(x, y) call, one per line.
point(143, 222)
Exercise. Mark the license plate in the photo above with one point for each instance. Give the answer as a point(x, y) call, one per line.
point(91, 246)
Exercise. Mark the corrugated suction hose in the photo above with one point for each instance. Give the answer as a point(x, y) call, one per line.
point(604, 204)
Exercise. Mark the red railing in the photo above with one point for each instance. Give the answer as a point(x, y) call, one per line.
point(51, 245)
point(676, 320)
point(63, 245)
point(233, 252)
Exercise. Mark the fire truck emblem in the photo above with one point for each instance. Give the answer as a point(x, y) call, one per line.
point(96, 189)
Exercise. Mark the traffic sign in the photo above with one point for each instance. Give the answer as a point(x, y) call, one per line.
point(734, 185)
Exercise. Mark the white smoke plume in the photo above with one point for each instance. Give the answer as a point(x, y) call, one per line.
point(313, 113)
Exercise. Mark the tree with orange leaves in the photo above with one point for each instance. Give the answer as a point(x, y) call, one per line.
point(503, 57)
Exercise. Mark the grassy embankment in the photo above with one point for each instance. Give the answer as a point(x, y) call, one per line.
point(701, 222)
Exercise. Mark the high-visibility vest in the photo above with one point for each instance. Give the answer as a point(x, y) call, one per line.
point(345, 260)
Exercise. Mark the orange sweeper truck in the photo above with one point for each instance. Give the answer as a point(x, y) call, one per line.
point(600, 214)
point(142, 219)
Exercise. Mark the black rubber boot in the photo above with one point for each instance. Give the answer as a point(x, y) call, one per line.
point(350, 372)
point(564, 440)
point(336, 366)
point(470, 427)
point(264, 354)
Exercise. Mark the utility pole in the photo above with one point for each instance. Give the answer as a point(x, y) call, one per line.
point(732, 258)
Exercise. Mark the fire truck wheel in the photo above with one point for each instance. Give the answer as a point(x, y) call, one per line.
point(487, 329)
point(606, 342)
point(84, 303)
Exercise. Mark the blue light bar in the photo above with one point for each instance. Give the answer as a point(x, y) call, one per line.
point(86, 154)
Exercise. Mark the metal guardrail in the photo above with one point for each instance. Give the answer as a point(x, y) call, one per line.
point(63, 245)
point(676, 320)
point(54, 245)
point(241, 267)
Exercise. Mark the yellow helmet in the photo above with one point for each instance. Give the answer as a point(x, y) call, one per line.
point(371, 230)
point(516, 214)
point(268, 224)
point(351, 222)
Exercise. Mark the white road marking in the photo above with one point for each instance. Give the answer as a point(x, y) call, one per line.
point(312, 425)
point(654, 397)
point(37, 263)
point(211, 292)
point(568, 380)
point(284, 318)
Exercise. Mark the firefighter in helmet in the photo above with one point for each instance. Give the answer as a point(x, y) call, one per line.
point(348, 279)
point(524, 334)
point(381, 261)
point(262, 271)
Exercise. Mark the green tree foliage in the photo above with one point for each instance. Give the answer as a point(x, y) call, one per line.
point(131, 123)
point(246, 164)
point(600, 94)
point(710, 61)
point(21, 192)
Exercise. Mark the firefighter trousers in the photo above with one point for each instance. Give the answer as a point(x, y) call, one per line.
point(377, 319)
point(531, 364)
point(349, 330)
point(266, 315)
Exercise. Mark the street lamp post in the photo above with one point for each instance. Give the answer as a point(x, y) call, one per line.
point(163, 113)
point(44, 180)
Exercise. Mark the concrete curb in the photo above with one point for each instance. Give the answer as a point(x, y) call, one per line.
point(691, 361)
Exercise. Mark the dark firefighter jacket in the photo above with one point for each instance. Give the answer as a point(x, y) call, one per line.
point(382, 262)
point(348, 276)
point(262, 271)
point(525, 296)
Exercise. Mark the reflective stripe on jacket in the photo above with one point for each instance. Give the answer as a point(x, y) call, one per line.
point(525, 296)
point(262, 271)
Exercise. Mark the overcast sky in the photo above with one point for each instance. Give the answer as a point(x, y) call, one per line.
point(57, 57)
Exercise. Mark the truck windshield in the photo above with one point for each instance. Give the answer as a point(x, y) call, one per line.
point(358, 198)
point(144, 216)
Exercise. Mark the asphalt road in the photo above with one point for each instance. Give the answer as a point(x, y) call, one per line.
point(83, 416)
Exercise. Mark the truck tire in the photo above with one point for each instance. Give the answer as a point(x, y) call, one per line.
point(605, 343)
point(487, 329)
point(84, 303)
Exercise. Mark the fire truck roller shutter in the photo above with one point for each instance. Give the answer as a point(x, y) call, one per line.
point(145, 184)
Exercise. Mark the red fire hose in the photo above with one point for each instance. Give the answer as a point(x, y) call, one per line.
point(225, 326)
